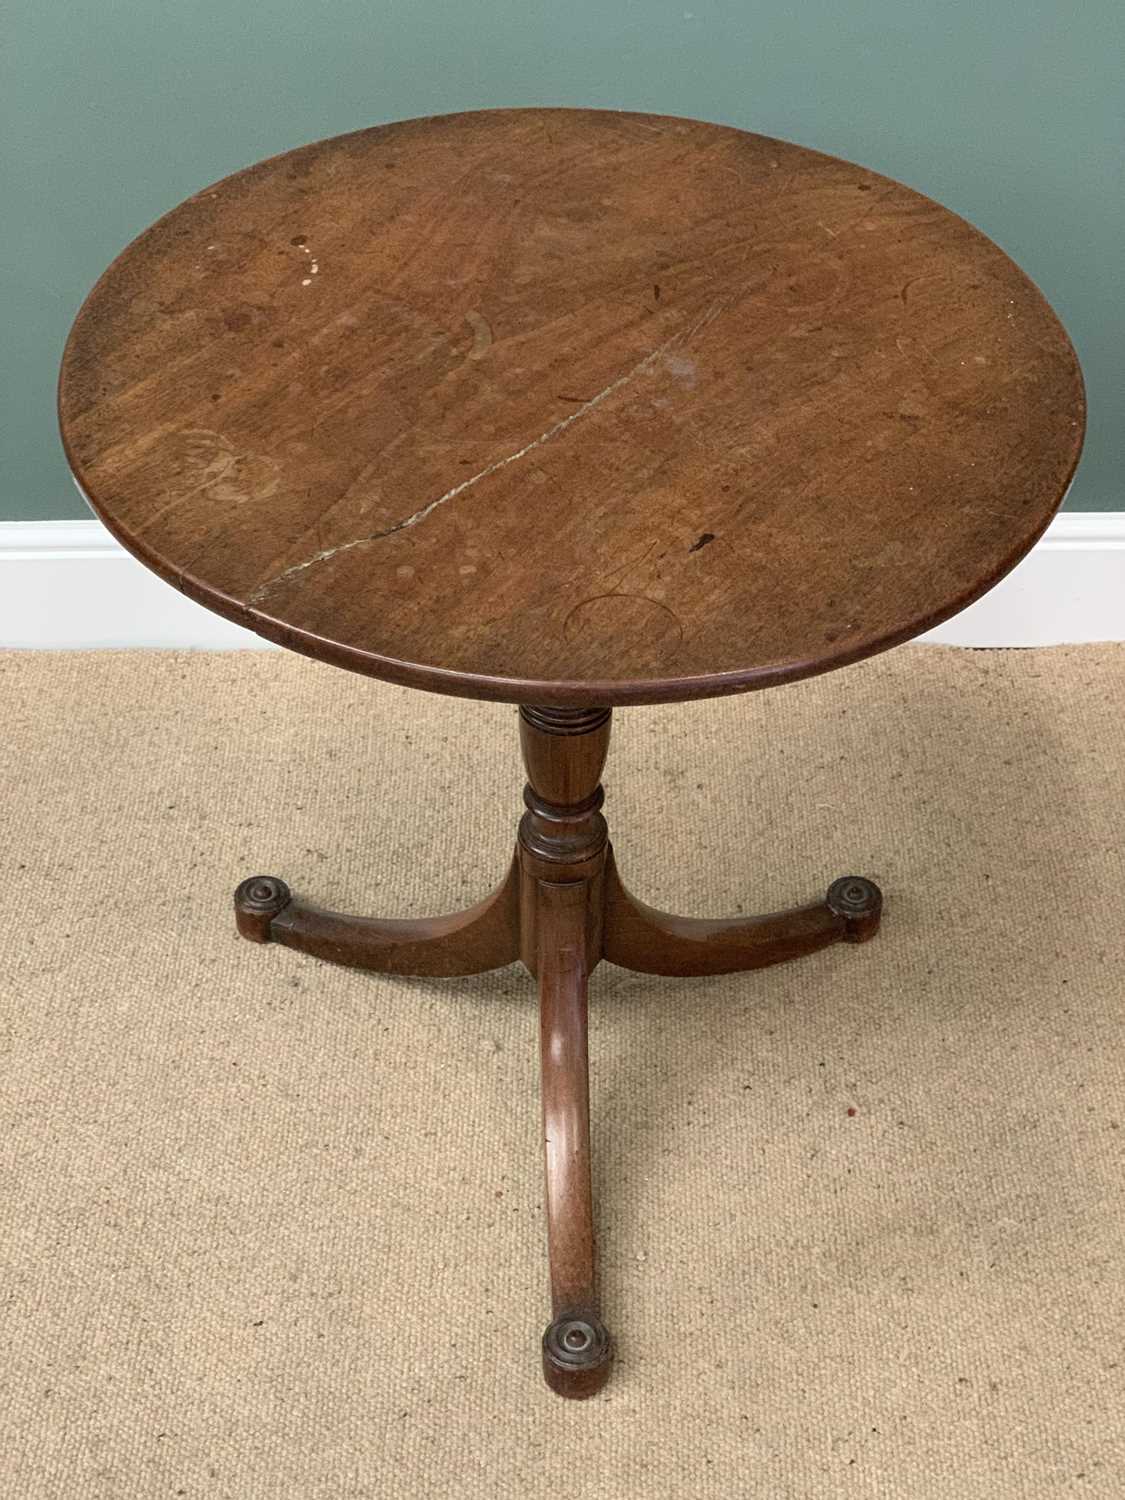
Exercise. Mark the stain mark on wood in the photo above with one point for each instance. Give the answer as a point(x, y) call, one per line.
point(482, 334)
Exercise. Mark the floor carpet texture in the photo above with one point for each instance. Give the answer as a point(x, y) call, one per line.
point(272, 1230)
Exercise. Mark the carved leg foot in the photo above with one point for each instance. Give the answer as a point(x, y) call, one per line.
point(468, 942)
point(575, 1345)
point(654, 942)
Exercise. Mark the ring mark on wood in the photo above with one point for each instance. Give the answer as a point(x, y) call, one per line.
point(790, 275)
point(211, 465)
point(627, 617)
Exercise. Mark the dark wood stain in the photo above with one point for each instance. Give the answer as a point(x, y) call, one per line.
point(467, 424)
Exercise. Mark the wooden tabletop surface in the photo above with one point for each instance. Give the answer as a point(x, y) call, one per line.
point(571, 406)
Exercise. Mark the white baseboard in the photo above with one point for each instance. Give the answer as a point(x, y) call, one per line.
point(69, 584)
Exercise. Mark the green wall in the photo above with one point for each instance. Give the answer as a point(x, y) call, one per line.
point(1009, 111)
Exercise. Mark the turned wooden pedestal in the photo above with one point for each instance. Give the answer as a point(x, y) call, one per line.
point(562, 908)
point(571, 409)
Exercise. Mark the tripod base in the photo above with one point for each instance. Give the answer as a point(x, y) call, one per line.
point(562, 908)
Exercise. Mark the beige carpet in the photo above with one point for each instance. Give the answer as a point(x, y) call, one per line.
point(271, 1229)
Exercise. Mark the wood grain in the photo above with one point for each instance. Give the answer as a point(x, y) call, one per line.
point(648, 941)
point(485, 936)
point(571, 407)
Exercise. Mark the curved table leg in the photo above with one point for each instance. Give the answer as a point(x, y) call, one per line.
point(575, 1344)
point(486, 936)
point(654, 942)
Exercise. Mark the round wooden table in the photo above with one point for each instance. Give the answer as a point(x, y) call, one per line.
point(571, 409)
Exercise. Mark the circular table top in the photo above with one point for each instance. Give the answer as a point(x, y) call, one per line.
point(571, 406)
